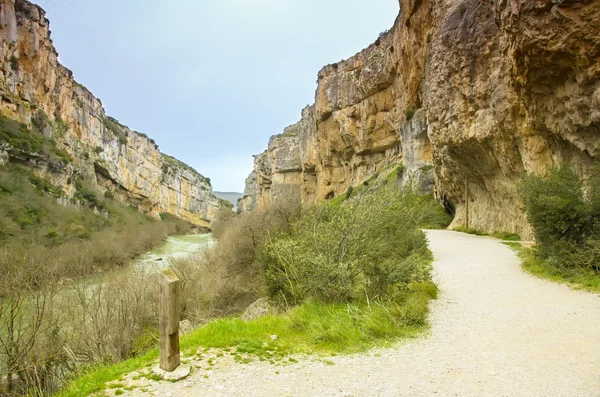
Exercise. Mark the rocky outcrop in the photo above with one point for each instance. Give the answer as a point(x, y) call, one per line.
point(187, 194)
point(472, 89)
point(35, 89)
point(251, 192)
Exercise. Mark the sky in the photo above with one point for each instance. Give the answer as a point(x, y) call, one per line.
point(210, 80)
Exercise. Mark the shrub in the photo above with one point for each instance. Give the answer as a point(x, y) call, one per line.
point(564, 220)
point(109, 195)
point(229, 276)
point(556, 207)
point(14, 63)
point(593, 195)
point(349, 192)
point(369, 247)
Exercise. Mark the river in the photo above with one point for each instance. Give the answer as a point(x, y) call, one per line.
point(174, 247)
point(156, 259)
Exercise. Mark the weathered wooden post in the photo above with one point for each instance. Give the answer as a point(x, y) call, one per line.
point(170, 287)
point(467, 202)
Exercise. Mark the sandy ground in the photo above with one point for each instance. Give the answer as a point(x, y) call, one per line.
point(495, 331)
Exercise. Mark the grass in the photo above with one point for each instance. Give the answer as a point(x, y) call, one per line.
point(312, 328)
point(475, 232)
point(353, 191)
point(575, 278)
point(506, 236)
point(396, 173)
point(499, 235)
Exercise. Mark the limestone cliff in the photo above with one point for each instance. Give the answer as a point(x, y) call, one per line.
point(35, 89)
point(477, 89)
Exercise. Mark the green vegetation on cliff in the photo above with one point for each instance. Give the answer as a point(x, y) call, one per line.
point(30, 141)
point(172, 162)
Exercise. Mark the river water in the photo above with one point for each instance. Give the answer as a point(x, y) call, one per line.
point(174, 247)
point(156, 259)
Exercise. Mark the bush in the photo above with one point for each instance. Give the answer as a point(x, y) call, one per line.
point(369, 247)
point(564, 220)
point(228, 277)
point(556, 207)
point(14, 63)
point(349, 192)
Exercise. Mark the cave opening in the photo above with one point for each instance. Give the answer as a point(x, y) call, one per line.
point(448, 206)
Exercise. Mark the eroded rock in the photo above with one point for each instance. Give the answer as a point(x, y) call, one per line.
point(471, 89)
point(37, 90)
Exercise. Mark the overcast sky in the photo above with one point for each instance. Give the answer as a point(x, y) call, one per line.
point(210, 80)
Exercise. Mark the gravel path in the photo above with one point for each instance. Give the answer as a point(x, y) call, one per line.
point(495, 331)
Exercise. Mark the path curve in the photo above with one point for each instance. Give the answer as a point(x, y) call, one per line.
point(495, 331)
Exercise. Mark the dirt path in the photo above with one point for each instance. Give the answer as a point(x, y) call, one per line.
point(495, 331)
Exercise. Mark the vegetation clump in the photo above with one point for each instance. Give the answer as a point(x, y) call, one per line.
point(30, 141)
point(116, 128)
point(565, 216)
point(370, 248)
point(14, 63)
point(171, 162)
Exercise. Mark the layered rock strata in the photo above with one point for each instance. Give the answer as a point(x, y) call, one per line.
point(35, 89)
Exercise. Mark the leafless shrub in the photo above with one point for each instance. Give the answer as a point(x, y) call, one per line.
point(107, 317)
point(226, 278)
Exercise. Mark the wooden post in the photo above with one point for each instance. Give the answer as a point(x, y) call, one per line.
point(169, 320)
point(467, 202)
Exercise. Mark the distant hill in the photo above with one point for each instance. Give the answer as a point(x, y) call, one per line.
point(232, 197)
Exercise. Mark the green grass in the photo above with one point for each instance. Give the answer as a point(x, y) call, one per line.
point(506, 236)
point(575, 278)
point(396, 173)
point(475, 232)
point(499, 235)
point(312, 328)
point(338, 200)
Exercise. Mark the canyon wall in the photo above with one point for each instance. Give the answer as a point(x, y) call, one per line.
point(36, 90)
point(477, 90)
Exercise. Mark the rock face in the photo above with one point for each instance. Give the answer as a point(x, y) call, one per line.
point(484, 90)
point(35, 89)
